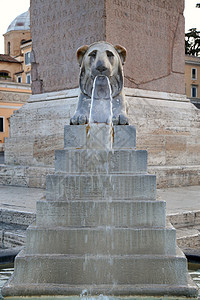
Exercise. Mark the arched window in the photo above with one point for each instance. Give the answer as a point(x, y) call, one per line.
point(4, 74)
point(8, 48)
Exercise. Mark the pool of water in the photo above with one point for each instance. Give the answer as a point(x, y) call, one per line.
point(6, 272)
point(194, 272)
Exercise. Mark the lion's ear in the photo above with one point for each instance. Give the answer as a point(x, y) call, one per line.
point(122, 53)
point(80, 53)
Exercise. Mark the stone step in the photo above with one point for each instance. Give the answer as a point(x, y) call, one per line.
point(123, 292)
point(101, 241)
point(101, 213)
point(100, 161)
point(76, 137)
point(24, 176)
point(100, 269)
point(109, 187)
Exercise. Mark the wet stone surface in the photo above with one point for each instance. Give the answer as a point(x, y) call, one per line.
point(12, 235)
point(5, 274)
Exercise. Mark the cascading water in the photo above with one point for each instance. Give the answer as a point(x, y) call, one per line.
point(100, 114)
point(101, 101)
point(101, 224)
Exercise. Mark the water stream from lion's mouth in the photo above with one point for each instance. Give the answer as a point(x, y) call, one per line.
point(101, 101)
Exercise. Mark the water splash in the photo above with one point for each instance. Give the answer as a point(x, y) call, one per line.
point(85, 295)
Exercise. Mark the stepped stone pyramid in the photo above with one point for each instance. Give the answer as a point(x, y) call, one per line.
point(100, 228)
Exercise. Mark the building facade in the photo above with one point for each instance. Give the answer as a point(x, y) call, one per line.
point(192, 79)
point(15, 71)
point(12, 97)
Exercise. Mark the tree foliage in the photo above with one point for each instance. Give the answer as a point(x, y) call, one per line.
point(192, 42)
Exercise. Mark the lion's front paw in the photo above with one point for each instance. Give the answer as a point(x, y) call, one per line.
point(74, 120)
point(82, 120)
point(79, 120)
point(120, 120)
point(123, 120)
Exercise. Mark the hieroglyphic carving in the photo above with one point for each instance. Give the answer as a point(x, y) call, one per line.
point(151, 30)
point(148, 29)
point(58, 29)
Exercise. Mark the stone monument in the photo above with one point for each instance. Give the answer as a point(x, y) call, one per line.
point(155, 30)
point(101, 229)
point(97, 61)
point(167, 123)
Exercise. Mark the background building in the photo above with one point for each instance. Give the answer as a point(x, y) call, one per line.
point(15, 71)
point(192, 79)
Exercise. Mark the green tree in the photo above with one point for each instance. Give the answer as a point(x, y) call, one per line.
point(192, 42)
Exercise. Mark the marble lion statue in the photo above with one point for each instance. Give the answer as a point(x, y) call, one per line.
point(101, 58)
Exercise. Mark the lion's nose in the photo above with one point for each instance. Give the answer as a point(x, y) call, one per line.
point(101, 68)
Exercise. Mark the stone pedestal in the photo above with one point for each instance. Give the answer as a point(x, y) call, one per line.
point(168, 127)
point(153, 33)
point(100, 227)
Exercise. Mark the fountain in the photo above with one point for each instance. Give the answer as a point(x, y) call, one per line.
point(100, 230)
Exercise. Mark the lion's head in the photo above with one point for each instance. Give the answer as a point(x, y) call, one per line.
point(101, 58)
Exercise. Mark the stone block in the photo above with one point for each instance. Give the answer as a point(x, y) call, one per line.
point(100, 161)
point(81, 270)
point(26, 176)
point(44, 149)
point(16, 217)
point(123, 214)
point(124, 137)
point(75, 136)
point(184, 219)
point(99, 136)
point(13, 239)
point(19, 151)
point(104, 240)
point(96, 187)
point(176, 176)
point(155, 145)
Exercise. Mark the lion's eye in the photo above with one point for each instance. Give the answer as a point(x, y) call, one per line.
point(93, 54)
point(109, 54)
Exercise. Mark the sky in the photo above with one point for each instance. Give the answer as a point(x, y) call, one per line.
point(10, 9)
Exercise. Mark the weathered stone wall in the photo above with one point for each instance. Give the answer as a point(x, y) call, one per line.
point(167, 126)
point(152, 31)
point(13, 97)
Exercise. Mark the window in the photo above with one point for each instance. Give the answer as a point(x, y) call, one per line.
point(194, 73)
point(1, 124)
point(3, 74)
point(19, 79)
point(194, 92)
point(27, 58)
point(8, 48)
point(28, 78)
